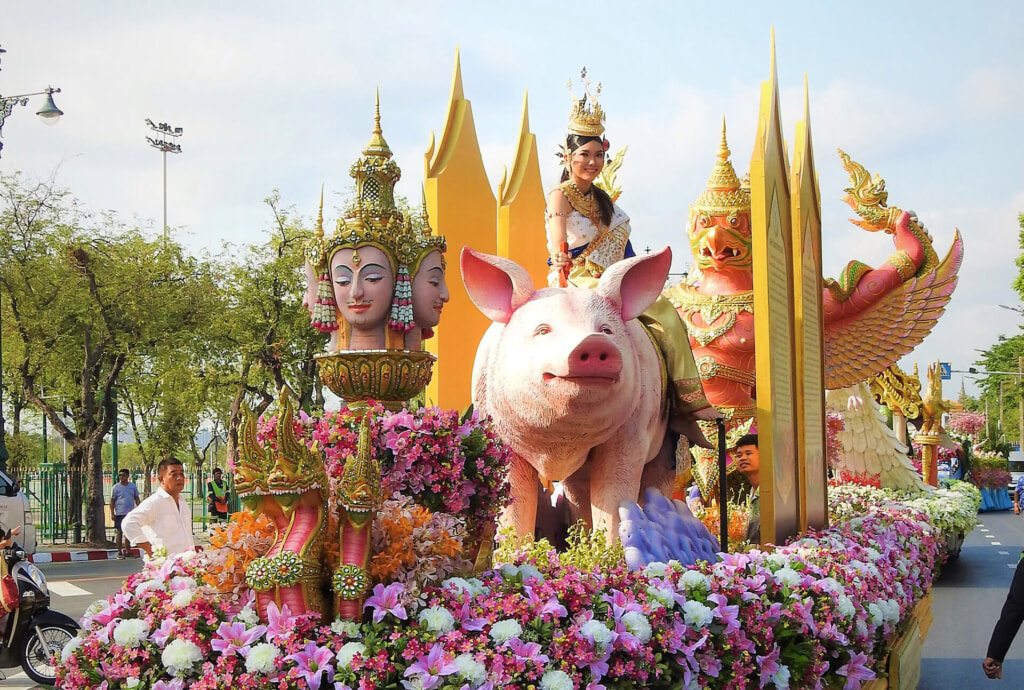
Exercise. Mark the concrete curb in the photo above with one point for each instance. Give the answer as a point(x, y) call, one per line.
point(75, 556)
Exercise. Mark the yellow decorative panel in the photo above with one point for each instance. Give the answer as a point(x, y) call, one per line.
point(521, 207)
point(809, 330)
point(773, 321)
point(461, 207)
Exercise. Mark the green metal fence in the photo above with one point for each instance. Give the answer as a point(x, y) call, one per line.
point(49, 492)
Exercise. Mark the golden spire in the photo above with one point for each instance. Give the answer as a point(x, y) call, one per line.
point(320, 215)
point(724, 193)
point(377, 146)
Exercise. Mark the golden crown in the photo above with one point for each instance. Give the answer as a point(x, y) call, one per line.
point(587, 116)
point(724, 193)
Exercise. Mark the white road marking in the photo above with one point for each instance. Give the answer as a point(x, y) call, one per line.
point(1004, 553)
point(66, 589)
point(996, 543)
point(1011, 565)
point(984, 529)
point(990, 536)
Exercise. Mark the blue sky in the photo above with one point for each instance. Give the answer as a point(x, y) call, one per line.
point(280, 95)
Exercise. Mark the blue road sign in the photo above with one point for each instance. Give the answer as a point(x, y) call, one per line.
point(946, 371)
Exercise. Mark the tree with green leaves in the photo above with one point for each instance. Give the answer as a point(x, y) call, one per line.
point(84, 297)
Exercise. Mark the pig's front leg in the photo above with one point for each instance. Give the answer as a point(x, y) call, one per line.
point(524, 486)
point(615, 477)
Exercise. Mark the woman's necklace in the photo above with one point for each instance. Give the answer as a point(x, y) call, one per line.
point(585, 204)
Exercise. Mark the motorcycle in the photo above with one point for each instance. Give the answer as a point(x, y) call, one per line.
point(33, 633)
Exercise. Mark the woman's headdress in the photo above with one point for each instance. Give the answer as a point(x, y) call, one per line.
point(586, 119)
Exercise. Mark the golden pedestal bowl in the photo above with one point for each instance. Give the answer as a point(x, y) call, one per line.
point(392, 377)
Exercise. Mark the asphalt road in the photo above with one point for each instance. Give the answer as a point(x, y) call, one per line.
point(967, 600)
point(73, 586)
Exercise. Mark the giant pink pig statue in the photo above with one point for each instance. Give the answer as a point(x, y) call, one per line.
point(574, 384)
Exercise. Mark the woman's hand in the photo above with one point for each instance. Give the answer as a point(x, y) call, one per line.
point(560, 260)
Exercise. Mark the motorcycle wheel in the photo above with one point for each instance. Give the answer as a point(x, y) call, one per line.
point(36, 659)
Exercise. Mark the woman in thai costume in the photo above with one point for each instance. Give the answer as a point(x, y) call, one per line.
point(587, 232)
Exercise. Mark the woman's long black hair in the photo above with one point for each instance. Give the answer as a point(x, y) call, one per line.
point(604, 202)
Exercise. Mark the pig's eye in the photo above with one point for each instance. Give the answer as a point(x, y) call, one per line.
point(542, 329)
point(606, 329)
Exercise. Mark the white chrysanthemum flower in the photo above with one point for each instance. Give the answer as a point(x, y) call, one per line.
point(846, 607)
point(556, 680)
point(471, 670)
point(346, 628)
point(95, 607)
point(248, 616)
point(695, 578)
point(779, 560)
point(131, 633)
point(529, 571)
point(131, 682)
point(263, 658)
point(508, 570)
point(477, 586)
point(876, 613)
point(696, 615)
point(787, 576)
point(179, 656)
point(637, 624)
point(69, 649)
point(154, 585)
point(437, 619)
point(831, 585)
point(660, 597)
point(781, 677)
point(505, 630)
point(873, 554)
point(656, 569)
point(183, 598)
point(891, 609)
point(181, 582)
point(347, 652)
point(597, 632)
point(457, 583)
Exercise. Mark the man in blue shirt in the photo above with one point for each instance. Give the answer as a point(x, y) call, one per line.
point(1018, 495)
point(123, 498)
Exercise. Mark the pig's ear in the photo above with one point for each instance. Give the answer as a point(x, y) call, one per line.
point(496, 285)
point(634, 284)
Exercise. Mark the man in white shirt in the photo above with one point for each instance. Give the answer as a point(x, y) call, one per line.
point(163, 519)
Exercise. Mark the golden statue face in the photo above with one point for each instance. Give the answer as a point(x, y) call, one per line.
point(721, 241)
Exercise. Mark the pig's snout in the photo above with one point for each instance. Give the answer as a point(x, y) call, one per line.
point(596, 357)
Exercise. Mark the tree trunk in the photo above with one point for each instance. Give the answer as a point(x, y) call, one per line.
point(96, 530)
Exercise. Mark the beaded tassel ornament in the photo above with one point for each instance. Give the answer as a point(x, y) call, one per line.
point(325, 311)
point(401, 305)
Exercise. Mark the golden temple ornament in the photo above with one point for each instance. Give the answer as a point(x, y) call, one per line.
point(725, 193)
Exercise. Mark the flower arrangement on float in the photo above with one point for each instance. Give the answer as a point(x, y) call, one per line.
point(820, 609)
point(990, 470)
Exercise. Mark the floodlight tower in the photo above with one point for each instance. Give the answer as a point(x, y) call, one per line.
point(165, 142)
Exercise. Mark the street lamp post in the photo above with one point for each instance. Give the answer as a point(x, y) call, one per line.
point(50, 114)
point(165, 145)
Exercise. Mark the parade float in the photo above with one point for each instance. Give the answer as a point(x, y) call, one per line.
point(369, 553)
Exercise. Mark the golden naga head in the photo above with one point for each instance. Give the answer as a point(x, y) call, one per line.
point(360, 491)
point(284, 472)
point(719, 222)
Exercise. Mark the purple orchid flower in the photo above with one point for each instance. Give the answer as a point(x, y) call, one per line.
point(233, 638)
point(467, 622)
point(769, 665)
point(160, 636)
point(543, 608)
point(387, 600)
point(527, 651)
point(729, 615)
point(176, 684)
point(432, 667)
point(856, 670)
point(312, 663)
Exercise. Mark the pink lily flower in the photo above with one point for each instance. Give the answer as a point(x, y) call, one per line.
point(280, 621)
point(313, 662)
point(387, 600)
point(233, 638)
point(430, 668)
point(856, 670)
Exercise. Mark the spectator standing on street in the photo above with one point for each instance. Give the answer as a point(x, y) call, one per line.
point(1018, 495)
point(123, 497)
point(1007, 626)
point(217, 495)
point(164, 519)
